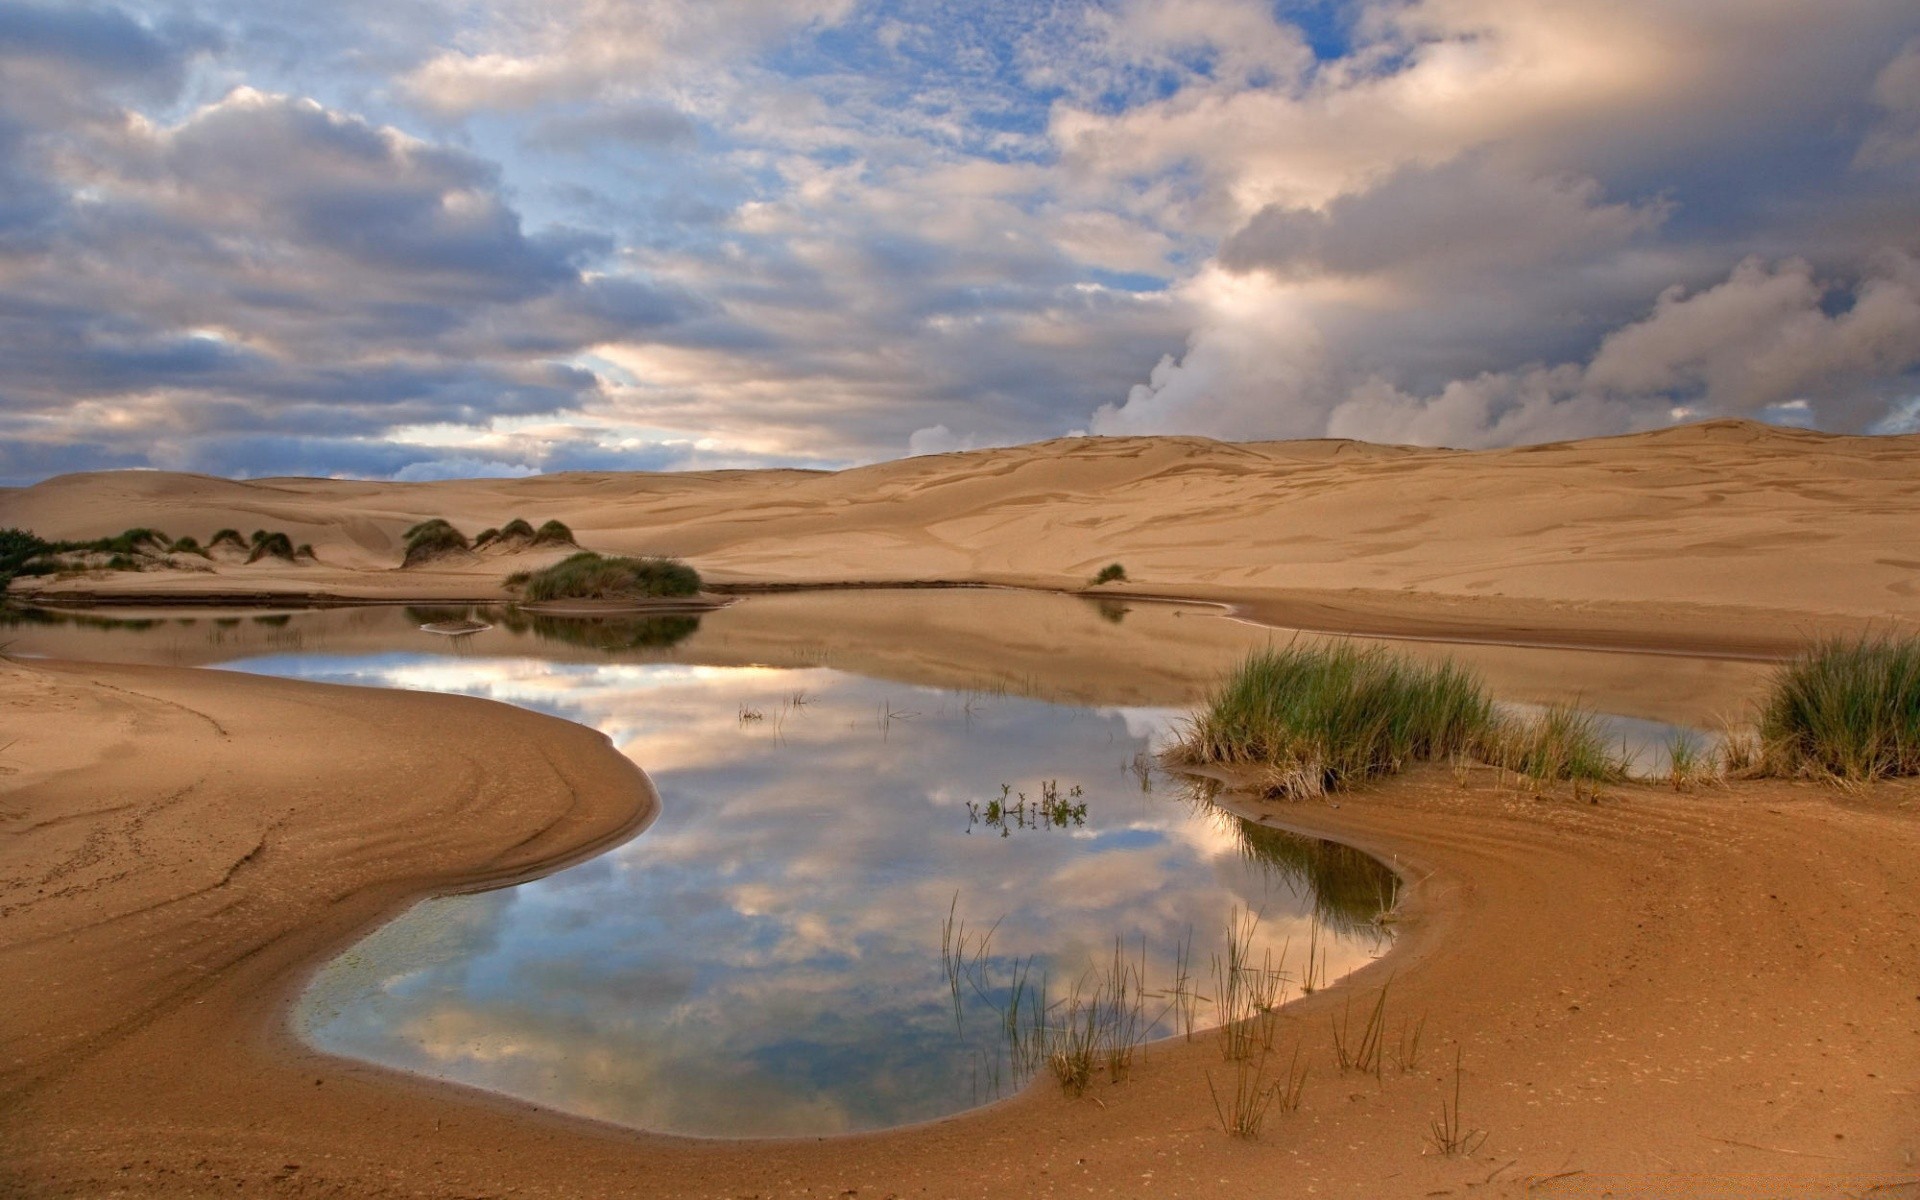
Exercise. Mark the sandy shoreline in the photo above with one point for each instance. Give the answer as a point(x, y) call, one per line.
point(1665, 994)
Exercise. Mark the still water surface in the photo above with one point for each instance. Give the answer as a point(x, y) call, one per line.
point(766, 957)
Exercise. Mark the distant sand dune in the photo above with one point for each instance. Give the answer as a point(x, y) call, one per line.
point(1785, 525)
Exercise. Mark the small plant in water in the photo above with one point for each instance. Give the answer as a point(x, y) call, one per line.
point(749, 713)
point(1686, 765)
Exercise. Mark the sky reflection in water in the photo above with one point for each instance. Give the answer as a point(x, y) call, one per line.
point(766, 958)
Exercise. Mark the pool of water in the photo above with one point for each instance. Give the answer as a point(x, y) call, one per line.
point(774, 955)
point(888, 822)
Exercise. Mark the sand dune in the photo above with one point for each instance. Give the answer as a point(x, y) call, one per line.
point(1730, 525)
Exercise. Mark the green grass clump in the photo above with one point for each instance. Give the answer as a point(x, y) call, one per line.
point(133, 541)
point(1846, 710)
point(517, 528)
point(227, 537)
point(484, 536)
point(186, 545)
point(271, 545)
point(431, 539)
point(1562, 743)
point(553, 533)
point(1326, 717)
point(589, 576)
point(1111, 573)
point(20, 552)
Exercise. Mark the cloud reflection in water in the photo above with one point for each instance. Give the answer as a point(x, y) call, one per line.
point(766, 958)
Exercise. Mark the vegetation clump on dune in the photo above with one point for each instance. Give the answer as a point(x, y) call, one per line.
point(1320, 718)
point(1847, 710)
point(430, 540)
point(1111, 573)
point(519, 534)
point(590, 576)
point(1324, 718)
point(270, 545)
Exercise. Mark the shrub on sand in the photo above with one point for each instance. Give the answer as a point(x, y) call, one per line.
point(271, 545)
point(430, 540)
point(1847, 710)
point(553, 533)
point(1111, 573)
point(589, 576)
point(1321, 718)
point(517, 528)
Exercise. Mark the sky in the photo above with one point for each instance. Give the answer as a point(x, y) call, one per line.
point(424, 239)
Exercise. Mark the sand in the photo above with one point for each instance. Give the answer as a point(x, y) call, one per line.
point(1704, 994)
point(1729, 534)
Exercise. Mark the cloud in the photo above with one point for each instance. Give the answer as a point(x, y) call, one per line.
point(526, 54)
point(1897, 91)
point(1763, 343)
point(266, 263)
point(513, 234)
point(1494, 223)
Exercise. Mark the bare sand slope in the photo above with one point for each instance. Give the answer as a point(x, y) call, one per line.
point(1705, 995)
point(1731, 528)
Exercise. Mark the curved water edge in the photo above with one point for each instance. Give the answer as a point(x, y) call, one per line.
point(769, 960)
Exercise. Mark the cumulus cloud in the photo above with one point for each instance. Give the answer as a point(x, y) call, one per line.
point(1482, 227)
point(1897, 91)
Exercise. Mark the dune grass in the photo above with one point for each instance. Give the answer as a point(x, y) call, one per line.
point(1327, 717)
point(590, 576)
point(1846, 710)
point(1319, 718)
point(1111, 573)
point(271, 545)
point(430, 539)
point(1561, 744)
point(552, 533)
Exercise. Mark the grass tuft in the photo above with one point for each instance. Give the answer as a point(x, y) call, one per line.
point(1111, 573)
point(590, 576)
point(430, 540)
point(1561, 744)
point(552, 533)
point(271, 545)
point(1320, 718)
point(1848, 711)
